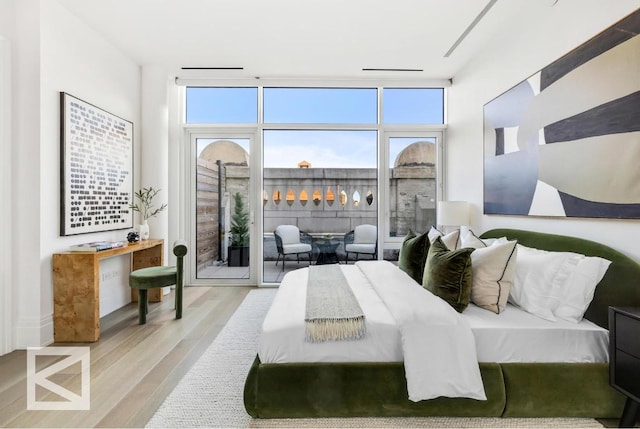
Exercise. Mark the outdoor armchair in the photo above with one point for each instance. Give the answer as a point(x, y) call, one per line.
point(290, 240)
point(361, 240)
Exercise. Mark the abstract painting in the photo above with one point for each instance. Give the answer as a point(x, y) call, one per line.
point(96, 168)
point(566, 141)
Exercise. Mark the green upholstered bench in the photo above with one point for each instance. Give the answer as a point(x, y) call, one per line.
point(156, 277)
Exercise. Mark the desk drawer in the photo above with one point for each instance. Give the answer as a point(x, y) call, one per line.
point(628, 334)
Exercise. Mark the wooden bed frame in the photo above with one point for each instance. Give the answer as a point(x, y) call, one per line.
point(513, 389)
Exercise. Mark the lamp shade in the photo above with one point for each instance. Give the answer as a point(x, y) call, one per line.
point(453, 213)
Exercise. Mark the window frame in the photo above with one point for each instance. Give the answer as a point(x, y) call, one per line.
point(186, 105)
point(264, 87)
point(384, 131)
point(417, 132)
point(191, 136)
point(410, 123)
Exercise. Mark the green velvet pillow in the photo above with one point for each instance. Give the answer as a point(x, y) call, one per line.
point(447, 274)
point(413, 255)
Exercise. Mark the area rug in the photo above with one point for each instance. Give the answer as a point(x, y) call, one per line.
point(210, 394)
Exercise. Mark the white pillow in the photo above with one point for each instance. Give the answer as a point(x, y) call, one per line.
point(493, 270)
point(578, 292)
point(555, 285)
point(470, 239)
point(538, 273)
point(451, 240)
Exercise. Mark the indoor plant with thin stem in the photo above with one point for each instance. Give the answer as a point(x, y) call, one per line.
point(146, 208)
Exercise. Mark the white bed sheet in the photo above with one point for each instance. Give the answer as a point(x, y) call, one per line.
point(517, 336)
point(512, 336)
point(283, 331)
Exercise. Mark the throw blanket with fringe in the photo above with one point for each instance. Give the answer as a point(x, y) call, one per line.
point(332, 311)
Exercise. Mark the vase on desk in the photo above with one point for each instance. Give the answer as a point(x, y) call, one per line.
point(143, 229)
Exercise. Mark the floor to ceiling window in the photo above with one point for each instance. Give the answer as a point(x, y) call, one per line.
point(312, 165)
point(323, 182)
point(221, 227)
point(412, 183)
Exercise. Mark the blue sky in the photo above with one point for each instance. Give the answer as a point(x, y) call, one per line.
point(322, 148)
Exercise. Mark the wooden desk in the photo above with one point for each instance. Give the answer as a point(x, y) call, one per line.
point(76, 287)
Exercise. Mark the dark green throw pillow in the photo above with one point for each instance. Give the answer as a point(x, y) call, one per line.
point(447, 274)
point(413, 255)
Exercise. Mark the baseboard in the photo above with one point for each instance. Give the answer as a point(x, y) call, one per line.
point(34, 332)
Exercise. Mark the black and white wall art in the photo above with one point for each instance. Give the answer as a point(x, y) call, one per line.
point(566, 141)
point(96, 168)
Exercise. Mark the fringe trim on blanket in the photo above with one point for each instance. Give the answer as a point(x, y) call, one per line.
point(335, 329)
point(332, 312)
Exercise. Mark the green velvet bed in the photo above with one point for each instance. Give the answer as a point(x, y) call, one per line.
point(512, 389)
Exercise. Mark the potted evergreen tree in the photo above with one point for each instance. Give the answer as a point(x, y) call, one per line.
point(239, 246)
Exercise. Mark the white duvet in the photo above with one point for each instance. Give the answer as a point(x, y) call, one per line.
point(435, 341)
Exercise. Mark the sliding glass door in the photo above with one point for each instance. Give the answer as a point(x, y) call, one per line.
point(222, 205)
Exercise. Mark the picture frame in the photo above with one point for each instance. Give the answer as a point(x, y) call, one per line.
point(96, 168)
point(565, 142)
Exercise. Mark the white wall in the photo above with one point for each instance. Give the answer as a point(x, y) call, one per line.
point(6, 18)
point(53, 51)
point(154, 150)
point(26, 177)
point(6, 272)
point(57, 52)
point(533, 45)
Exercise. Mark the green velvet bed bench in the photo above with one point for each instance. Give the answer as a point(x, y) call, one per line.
point(379, 389)
point(296, 390)
point(299, 390)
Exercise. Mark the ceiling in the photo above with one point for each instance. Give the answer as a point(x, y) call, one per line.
point(306, 38)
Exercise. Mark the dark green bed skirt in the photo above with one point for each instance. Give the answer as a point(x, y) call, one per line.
point(379, 389)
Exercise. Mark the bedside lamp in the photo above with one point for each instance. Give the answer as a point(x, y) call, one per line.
point(452, 213)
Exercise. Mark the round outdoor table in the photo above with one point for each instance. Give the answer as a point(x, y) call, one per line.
point(327, 251)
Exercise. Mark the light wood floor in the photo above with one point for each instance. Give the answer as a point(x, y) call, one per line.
point(133, 367)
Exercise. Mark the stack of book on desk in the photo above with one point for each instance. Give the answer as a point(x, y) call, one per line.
point(96, 246)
